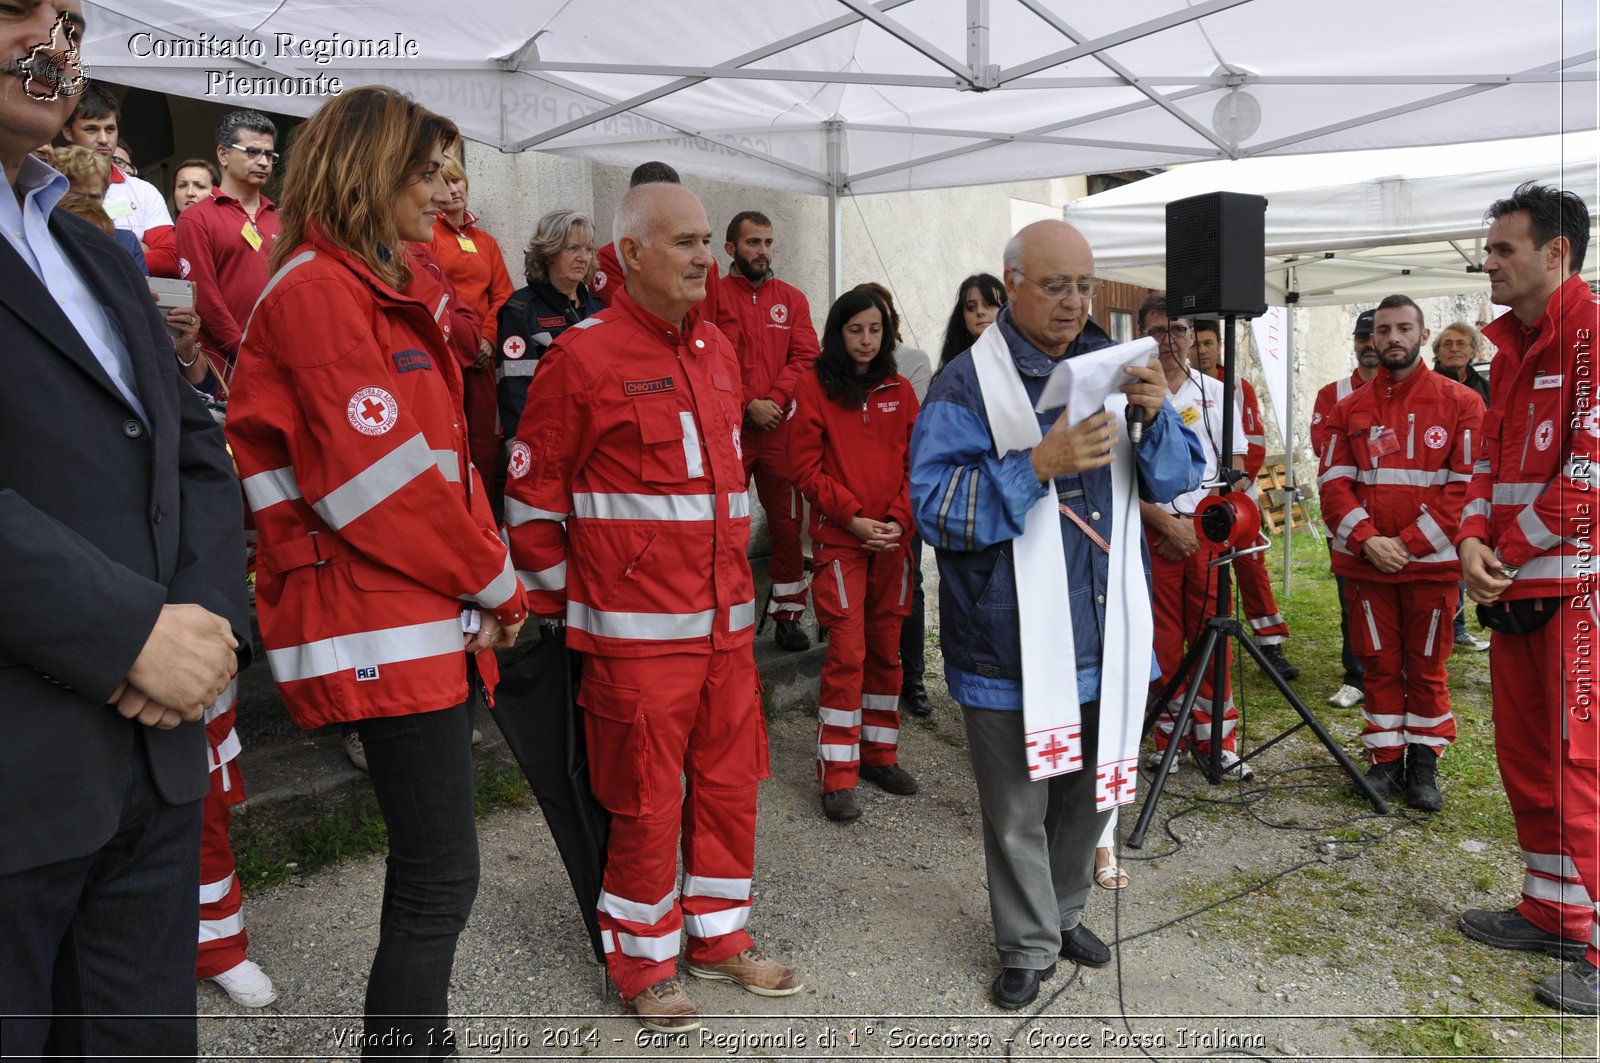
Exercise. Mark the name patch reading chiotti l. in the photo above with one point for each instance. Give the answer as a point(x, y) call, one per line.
point(648, 387)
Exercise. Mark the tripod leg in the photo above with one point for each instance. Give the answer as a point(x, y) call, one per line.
point(1158, 706)
point(1197, 658)
point(1309, 718)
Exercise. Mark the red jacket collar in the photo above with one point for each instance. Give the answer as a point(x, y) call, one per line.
point(222, 197)
point(652, 322)
point(1508, 331)
point(468, 217)
point(117, 176)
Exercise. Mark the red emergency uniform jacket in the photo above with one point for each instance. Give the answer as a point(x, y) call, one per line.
point(607, 283)
point(778, 343)
point(1332, 393)
point(373, 530)
point(852, 461)
point(1533, 492)
point(1398, 461)
point(471, 259)
point(625, 491)
point(226, 257)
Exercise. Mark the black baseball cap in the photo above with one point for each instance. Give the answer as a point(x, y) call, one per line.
point(1364, 323)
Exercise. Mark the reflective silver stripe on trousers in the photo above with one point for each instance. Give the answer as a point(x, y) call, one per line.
point(635, 911)
point(838, 578)
point(553, 578)
point(742, 615)
point(880, 702)
point(501, 590)
point(691, 445)
point(838, 753)
point(266, 489)
point(1550, 889)
point(412, 642)
point(1372, 626)
point(519, 513)
point(217, 929)
point(1433, 631)
point(1558, 864)
point(373, 485)
point(887, 736)
point(659, 949)
point(652, 627)
point(212, 892)
point(716, 924)
point(905, 579)
point(738, 505)
point(607, 506)
point(729, 889)
point(839, 718)
point(780, 589)
point(1260, 622)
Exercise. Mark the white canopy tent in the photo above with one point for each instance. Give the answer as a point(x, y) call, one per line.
point(1348, 228)
point(849, 96)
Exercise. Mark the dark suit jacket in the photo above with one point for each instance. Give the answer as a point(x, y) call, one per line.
point(103, 520)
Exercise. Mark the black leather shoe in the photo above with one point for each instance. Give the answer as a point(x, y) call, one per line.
point(789, 635)
point(1083, 945)
point(1510, 929)
point(1273, 652)
point(914, 698)
point(1017, 987)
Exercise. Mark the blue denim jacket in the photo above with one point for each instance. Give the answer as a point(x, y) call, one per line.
point(970, 502)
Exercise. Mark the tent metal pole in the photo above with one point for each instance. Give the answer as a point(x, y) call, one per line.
point(834, 128)
point(1288, 444)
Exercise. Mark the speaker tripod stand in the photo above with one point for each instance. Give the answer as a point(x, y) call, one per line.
point(1210, 650)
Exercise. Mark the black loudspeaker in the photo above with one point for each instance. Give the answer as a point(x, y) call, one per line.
point(1217, 255)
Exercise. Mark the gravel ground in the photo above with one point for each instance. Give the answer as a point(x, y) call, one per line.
point(887, 921)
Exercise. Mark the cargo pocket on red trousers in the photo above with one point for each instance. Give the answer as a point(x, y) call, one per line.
point(615, 727)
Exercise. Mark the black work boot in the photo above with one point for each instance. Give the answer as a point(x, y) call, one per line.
point(914, 697)
point(1422, 778)
point(1273, 652)
point(789, 635)
point(1384, 778)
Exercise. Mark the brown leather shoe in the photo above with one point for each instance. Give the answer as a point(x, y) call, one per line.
point(754, 970)
point(665, 1007)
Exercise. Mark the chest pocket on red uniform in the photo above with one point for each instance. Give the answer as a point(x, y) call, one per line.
point(670, 453)
point(1360, 428)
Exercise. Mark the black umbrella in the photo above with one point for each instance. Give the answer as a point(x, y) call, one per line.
point(536, 709)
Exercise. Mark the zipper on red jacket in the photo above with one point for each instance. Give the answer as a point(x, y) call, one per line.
point(1411, 437)
point(1527, 436)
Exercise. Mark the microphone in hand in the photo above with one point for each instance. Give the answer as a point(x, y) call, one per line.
point(1135, 415)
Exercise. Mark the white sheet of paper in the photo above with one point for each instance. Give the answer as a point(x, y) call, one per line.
point(1083, 382)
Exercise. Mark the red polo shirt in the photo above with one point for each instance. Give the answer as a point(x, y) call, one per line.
point(226, 257)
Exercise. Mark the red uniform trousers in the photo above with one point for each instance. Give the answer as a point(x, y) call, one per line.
point(1403, 634)
point(223, 940)
point(1184, 598)
point(765, 454)
point(651, 722)
point(1553, 787)
point(861, 597)
point(1267, 625)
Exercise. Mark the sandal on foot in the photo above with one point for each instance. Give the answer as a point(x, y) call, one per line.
point(1108, 877)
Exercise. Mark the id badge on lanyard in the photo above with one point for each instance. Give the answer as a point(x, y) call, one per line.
point(1381, 441)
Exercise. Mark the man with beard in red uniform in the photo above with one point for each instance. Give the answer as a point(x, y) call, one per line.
point(1527, 553)
point(777, 345)
point(628, 517)
point(1394, 480)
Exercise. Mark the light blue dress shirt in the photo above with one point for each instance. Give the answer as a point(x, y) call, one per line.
point(26, 226)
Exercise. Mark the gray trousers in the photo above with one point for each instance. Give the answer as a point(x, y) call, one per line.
point(1038, 837)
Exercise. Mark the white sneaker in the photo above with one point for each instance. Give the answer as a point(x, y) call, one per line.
point(248, 985)
point(1467, 640)
point(1153, 761)
point(1347, 697)
point(1232, 766)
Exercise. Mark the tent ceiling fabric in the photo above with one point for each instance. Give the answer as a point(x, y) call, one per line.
point(912, 93)
point(1353, 227)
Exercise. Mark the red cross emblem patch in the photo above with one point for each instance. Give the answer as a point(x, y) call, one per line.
point(599, 281)
point(1436, 437)
point(521, 460)
point(1544, 435)
point(514, 347)
point(779, 313)
point(372, 411)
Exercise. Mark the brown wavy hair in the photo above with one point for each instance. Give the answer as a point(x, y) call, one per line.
point(345, 166)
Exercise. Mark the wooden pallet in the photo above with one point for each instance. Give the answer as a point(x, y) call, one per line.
point(1273, 482)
